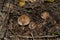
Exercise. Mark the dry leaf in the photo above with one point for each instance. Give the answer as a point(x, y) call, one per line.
point(21, 3)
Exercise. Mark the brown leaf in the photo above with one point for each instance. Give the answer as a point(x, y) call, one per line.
point(21, 3)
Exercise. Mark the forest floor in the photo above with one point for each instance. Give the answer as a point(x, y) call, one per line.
point(38, 27)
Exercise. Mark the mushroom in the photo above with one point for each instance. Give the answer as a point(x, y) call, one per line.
point(32, 25)
point(23, 20)
point(45, 15)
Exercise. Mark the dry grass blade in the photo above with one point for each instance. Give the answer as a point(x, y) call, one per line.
point(47, 36)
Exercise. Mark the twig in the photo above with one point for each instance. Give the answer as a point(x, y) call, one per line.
point(32, 36)
point(47, 36)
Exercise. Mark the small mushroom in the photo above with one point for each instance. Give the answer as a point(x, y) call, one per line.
point(32, 25)
point(23, 20)
point(45, 15)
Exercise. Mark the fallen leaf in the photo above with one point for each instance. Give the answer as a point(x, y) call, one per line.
point(21, 4)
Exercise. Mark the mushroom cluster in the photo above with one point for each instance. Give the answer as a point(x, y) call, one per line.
point(25, 20)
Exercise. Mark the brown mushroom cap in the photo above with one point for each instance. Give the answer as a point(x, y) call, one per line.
point(45, 15)
point(23, 20)
point(21, 3)
point(32, 25)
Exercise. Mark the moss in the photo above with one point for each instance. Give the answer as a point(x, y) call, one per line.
point(50, 0)
point(56, 33)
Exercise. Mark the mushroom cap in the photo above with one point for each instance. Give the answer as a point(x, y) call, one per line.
point(32, 25)
point(21, 3)
point(23, 20)
point(45, 15)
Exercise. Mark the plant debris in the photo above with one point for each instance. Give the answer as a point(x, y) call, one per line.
point(29, 19)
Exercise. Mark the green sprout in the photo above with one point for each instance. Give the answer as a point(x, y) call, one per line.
point(50, 0)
